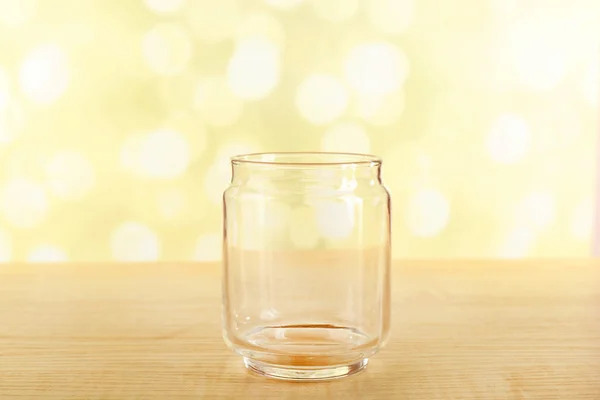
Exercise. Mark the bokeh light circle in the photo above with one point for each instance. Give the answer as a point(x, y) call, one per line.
point(381, 110)
point(321, 98)
point(5, 246)
point(213, 21)
point(5, 89)
point(130, 152)
point(283, 4)
point(346, 137)
point(581, 224)
point(216, 103)
point(336, 11)
point(167, 49)
point(156, 162)
point(427, 212)
point(47, 253)
point(133, 241)
point(161, 154)
point(70, 175)
point(536, 210)
point(591, 82)
point(44, 74)
point(539, 52)
point(171, 203)
point(504, 8)
point(165, 6)
point(253, 70)
point(14, 13)
point(11, 122)
point(209, 247)
point(23, 203)
point(390, 16)
point(376, 68)
point(263, 25)
point(216, 181)
point(508, 139)
point(517, 243)
point(218, 175)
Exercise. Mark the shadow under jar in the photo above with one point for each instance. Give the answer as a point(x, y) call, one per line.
point(306, 279)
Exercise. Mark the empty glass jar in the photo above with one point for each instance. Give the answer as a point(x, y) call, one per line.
point(306, 278)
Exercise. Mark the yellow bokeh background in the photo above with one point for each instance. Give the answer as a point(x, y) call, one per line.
point(118, 118)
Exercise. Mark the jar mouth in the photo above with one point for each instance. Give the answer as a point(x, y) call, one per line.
point(306, 159)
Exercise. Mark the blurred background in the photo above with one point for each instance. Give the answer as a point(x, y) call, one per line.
point(118, 118)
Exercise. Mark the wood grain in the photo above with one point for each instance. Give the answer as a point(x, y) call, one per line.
point(461, 330)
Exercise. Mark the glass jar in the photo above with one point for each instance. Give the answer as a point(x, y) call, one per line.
point(306, 258)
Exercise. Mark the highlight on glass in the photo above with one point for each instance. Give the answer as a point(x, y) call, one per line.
point(306, 263)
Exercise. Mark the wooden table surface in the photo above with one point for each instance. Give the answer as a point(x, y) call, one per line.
point(512, 330)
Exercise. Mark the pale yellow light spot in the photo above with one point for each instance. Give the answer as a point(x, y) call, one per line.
point(162, 154)
point(5, 90)
point(213, 21)
point(70, 175)
point(321, 98)
point(167, 49)
point(47, 253)
point(376, 68)
point(261, 24)
point(218, 176)
point(216, 103)
point(335, 218)
point(78, 33)
point(517, 244)
point(346, 137)
point(11, 122)
point(253, 70)
point(561, 125)
point(44, 74)
point(381, 110)
point(170, 203)
point(537, 210)
point(504, 8)
point(539, 53)
point(209, 247)
point(508, 139)
point(130, 152)
point(7, 111)
point(427, 212)
point(5, 246)
point(336, 11)
point(304, 232)
point(14, 13)
point(283, 4)
point(591, 86)
point(192, 129)
point(165, 6)
point(23, 203)
point(391, 16)
point(132, 241)
point(582, 221)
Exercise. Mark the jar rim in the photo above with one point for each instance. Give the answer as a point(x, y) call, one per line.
point(306, 158)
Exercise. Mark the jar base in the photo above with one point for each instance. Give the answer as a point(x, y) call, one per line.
point(305, 374)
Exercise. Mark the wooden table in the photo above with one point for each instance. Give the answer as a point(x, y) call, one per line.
point(461, 330)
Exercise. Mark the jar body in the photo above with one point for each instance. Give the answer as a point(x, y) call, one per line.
point(306, 274)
